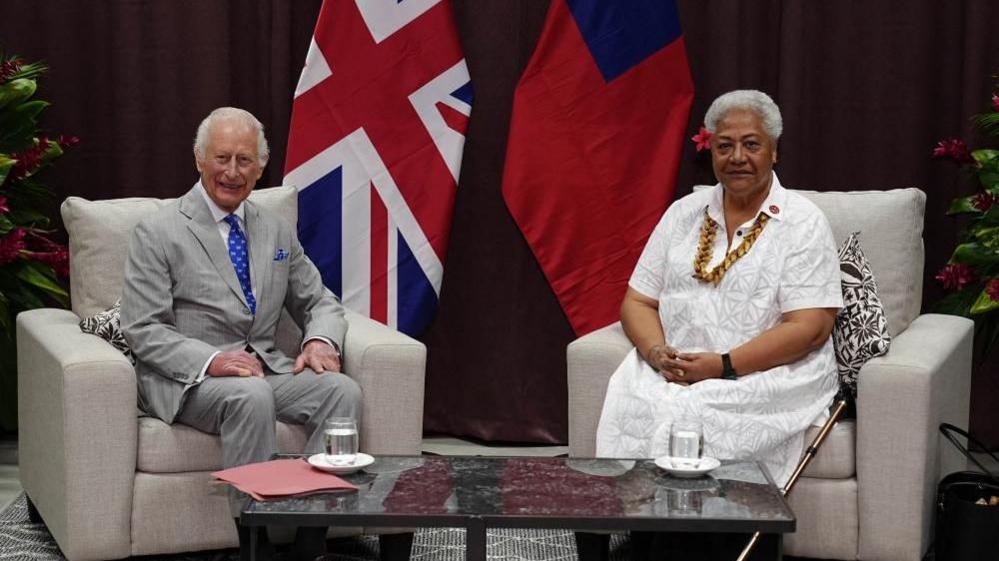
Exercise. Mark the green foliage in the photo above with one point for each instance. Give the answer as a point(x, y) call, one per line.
point(972, 274)
point(33, 268)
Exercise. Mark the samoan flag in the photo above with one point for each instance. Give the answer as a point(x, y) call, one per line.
point(375, 143)
point(594, 148)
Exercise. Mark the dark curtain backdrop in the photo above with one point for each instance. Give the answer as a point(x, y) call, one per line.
point(866, 89)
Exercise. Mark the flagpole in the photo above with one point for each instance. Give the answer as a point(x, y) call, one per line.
point(810, 452)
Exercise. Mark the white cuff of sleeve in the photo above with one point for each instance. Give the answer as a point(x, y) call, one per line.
point(204, 369)
point(324, 340)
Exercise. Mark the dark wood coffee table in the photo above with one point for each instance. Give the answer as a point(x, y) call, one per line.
point(586, 495)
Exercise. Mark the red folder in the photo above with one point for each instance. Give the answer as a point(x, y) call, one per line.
point(277, 479)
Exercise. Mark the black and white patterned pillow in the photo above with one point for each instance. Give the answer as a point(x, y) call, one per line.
point(861, 331)
point(107, 326)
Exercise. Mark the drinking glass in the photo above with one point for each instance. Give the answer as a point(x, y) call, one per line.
point(341, 441)
point(677, 502)
point(685, 443)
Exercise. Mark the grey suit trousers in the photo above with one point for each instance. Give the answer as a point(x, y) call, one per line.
point(242, 411)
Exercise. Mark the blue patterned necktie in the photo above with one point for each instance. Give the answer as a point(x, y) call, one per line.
point(240, 261)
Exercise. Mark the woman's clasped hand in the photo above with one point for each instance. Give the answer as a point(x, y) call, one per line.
point(688, 367)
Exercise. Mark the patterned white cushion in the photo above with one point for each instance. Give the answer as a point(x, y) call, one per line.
point(861, 331)
point(107, 326)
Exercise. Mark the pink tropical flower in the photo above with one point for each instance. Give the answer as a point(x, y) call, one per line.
point(4, 209)
point(992, 289)
point(984, 201)
point(955, 276)
point(953, 148)
point(68, 141)
point(702, 139)
point(44, 250)
point(58, 260)
point(995, 102)
point(29, 159)
point(8, 68)
point(12, 245)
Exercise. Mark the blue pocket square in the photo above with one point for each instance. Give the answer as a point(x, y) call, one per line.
point(280, 255)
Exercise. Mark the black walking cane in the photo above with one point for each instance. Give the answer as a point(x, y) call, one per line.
point(805, 460)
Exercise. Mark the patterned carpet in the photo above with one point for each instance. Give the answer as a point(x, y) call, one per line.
point(23, 540)
point(20, 540)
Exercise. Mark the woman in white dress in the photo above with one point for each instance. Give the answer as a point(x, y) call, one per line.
point(730, 309)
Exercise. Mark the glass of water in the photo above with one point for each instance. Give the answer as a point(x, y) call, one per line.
point(341, 441)
point(685, 443)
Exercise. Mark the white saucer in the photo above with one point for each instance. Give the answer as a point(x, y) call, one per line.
point(600, 467)
point(318, 461)
point(678, 469)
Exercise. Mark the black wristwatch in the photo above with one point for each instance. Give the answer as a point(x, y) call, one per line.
point(728, 373)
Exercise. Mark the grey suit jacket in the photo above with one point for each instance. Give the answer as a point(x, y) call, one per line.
point(181, 300)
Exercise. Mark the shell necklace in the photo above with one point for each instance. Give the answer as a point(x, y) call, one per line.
point(706, 245)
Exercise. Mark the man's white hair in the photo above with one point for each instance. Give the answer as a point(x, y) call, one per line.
point(225, 113)
point(747, 100)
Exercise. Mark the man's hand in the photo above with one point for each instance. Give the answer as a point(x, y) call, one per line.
point(687, 368)
point(319, 356)
point(235, 363)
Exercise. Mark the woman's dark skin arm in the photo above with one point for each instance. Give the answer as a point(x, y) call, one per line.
point(799, 333)
point(640, 320)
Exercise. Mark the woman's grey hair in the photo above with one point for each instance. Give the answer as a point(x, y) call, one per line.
point(222, 113)
point(749, 100)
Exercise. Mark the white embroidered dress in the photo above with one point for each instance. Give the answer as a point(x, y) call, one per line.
point(793, 265)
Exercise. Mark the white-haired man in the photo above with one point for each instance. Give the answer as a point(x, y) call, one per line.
point(205, 283)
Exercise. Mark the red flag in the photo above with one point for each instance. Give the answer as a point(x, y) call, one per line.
point(595, 141)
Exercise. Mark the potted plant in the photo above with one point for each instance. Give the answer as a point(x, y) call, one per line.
point(971, 276)
point(32, 265)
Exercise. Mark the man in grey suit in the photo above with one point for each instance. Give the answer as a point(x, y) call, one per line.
point(205, 283)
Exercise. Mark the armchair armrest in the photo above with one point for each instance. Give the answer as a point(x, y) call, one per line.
point(591, 360)
point(902, 398)
point(390, 368)
point(77, 442)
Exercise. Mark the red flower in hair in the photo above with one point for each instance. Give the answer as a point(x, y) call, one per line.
point(995, 102)
point(702, 139)
point(955, 276)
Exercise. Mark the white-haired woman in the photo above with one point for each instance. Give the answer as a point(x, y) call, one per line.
point(730, 309)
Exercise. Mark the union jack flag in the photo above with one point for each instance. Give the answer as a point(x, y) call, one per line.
point(377, 131)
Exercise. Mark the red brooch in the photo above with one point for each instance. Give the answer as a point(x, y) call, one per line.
point(774, 209)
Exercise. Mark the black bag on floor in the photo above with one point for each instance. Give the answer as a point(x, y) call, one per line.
point(967, 530)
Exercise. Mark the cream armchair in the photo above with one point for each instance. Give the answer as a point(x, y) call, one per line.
point(869, 494)
point(110, 483)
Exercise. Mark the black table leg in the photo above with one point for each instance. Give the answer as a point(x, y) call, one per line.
point(395, 547)
point(475, 540)
point(641, 545)
point(253, 542)
point(593, 547)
